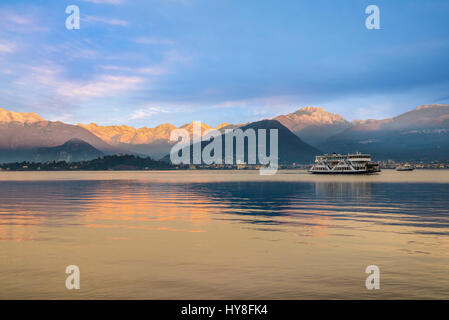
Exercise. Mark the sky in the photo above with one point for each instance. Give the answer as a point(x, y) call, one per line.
point(147, 62)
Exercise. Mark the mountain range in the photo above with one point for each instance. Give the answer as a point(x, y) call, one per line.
point(154, 142)
point(420, 134)
point(21, 134)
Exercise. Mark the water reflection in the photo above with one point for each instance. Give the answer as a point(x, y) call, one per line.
point(343, 190)
point(422, 206)
point(265, 239)
point(110, 203)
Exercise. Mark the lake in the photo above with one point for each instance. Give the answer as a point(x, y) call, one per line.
point(224, 235)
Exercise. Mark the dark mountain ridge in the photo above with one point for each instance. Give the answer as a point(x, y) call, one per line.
point(291, 149)
point(72, 151)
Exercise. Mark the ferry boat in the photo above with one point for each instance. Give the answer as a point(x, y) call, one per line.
point(351, 163)
point(405, 167)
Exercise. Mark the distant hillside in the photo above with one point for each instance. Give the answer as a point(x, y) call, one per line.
point(420, 134)
point(117, 162)
point(291, 149)
point(22, 133)
point(72, 151)
point(314, 125)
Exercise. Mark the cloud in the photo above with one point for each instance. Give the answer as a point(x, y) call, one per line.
point(171, 59)
point(6, 47)
point(269, 105)
point(105, 1)
point(50, 79)
point(104, 85)
point(149, 70)
point(146, 112)
point(63, 117)
point(114, 22)
point(12, 17)
point(155, 40)
point(71, 50)
point(153, 71)
point(18, 22)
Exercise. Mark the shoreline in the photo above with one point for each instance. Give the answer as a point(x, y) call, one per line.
point(213, 176)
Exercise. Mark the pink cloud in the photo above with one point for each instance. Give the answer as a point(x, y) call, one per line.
point(6, 47)
point(49, 78)
point(105, 85)
point(146, 112)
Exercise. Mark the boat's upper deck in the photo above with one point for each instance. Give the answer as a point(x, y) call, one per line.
point(338, 157)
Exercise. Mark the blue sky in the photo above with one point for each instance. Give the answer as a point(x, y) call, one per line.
point(143, 63)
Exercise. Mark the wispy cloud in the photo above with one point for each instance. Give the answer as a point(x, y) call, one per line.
point(103, 86)
point(155, 40)
point(171, 59)
point(146, 112)
point(21, 22)
point(105, 1)
point(114, 22)
point(20, 19)
point(73, 50)
point(13, 17)
point(149, 70)
point(6, 47)
point(263, 106)
point(64, 117)
point(51, 79)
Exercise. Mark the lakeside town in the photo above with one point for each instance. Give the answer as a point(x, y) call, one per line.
point(132, 162)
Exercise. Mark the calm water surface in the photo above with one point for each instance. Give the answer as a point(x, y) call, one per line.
point(224, 234)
